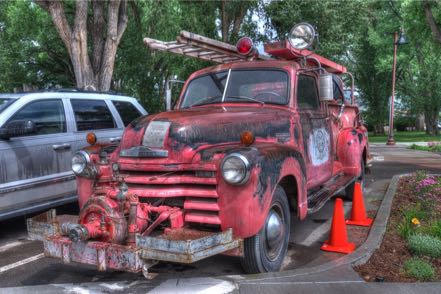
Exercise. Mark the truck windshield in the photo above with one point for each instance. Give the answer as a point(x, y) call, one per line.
point(5, 102)
point(244, 86)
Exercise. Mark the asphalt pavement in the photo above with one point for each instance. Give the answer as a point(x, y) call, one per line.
point(22, 263)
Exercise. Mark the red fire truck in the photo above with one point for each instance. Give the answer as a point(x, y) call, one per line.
point(253, 142)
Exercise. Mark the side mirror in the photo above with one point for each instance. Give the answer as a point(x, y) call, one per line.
point(17, 128)
point(326, 87)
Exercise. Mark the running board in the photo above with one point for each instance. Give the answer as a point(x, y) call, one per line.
point(334, 186)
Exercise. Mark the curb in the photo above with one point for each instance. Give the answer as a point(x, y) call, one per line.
point(360, 256)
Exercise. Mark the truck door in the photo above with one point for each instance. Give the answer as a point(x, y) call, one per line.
point(316, 131)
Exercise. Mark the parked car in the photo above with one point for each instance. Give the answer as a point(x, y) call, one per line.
point(40, 132)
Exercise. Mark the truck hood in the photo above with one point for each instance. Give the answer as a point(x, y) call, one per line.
point(185, 132)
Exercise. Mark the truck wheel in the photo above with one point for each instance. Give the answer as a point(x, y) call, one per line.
point(350, 189)
point(265, 251)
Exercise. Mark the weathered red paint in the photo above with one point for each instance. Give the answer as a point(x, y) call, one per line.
point(233, 201)
point(184, 192)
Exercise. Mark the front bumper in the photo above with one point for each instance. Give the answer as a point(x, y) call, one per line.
point(147, 251)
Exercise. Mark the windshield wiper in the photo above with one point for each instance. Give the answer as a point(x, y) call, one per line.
point(246, 97)
point(204, 101)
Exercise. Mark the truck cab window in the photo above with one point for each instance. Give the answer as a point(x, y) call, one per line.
point(307, 96)
point(47, 115)
point(244, 86)
point(205, 89)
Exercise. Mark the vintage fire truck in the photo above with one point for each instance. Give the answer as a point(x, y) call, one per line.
point(252, 143)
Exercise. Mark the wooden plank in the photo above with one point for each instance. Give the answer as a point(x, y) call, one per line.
point(210, 42)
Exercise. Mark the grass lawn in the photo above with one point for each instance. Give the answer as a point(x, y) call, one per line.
point(406, 137)
point(433, 148)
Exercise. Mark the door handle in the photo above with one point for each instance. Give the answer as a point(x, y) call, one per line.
point(64, 146)
point(115, 139)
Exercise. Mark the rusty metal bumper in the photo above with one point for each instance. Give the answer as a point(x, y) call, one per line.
point(147, 250)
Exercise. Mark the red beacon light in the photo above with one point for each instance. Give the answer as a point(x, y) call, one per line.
point(245, 46)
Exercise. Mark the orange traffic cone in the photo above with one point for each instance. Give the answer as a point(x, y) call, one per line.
point(338, 240)
point(358, 214)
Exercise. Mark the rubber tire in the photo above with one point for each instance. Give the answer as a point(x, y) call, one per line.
point(350, 189)
point(254, 259)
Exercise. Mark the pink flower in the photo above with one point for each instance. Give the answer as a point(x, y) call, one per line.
point(426, 184)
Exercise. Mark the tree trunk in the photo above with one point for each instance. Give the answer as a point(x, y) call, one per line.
point(116, 25)
point(84, 75)
point(431, 119)
point(434, 27)
point(419, 125)
point(95, 75)
point(225, 21)
point(379, 129)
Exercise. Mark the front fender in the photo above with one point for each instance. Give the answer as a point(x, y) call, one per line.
point(350, 145)
point(244, 208)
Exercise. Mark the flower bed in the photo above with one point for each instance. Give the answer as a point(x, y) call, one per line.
point(411, 247)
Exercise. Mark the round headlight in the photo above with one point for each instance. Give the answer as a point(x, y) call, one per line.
point(302, 36)
point(79, 162)
point(236, 169)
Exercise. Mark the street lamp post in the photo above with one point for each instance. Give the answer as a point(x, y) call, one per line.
point(400, 41)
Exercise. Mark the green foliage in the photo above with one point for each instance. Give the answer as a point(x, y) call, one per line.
point(419, 269)
point(420, 74)
point(405, 137)
point(31, 52)
point(418, 147)
point(141, 72)
point(433, 230)
point(354, 33)
point(424, 245)
point(337, 22)
point(420, 175)
point(401, 123)
point(406, 227)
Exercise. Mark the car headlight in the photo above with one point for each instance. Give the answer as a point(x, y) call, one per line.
point(236, 169)
point(81, 164)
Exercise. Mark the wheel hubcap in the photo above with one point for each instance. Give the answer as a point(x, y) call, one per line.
point(274, 232)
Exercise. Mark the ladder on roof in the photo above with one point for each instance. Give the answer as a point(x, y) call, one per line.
point(200, 47)
point(197, 46)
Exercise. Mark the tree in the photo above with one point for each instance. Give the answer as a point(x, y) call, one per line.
point(232, 15)
point(372, 83)
point(142, 72)
point(106, 30)
point(422, 80)
point(337, 22)
point(31, 53)
point(434, 26)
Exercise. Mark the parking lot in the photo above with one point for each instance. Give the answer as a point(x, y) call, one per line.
point(22, 262)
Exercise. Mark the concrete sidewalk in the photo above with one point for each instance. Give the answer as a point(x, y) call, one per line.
point(400, 144)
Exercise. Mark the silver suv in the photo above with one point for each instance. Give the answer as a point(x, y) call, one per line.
point(40, 132)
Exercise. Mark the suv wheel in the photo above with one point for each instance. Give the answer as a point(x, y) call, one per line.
point(265, 251)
